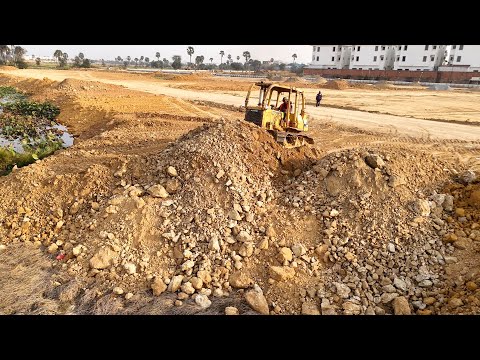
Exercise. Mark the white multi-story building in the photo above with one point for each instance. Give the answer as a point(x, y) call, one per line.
point(372, 57)
point(419, 57)
point(331, 56)
point(464, 56)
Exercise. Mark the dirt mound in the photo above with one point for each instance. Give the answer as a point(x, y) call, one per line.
point(336, 85)
point(73, 85)
point(384, 85)
point(7, 67)
point(225, 207)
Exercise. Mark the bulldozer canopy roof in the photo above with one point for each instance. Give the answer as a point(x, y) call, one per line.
point(277, 87)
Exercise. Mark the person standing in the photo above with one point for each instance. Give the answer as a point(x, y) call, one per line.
point(319, 98)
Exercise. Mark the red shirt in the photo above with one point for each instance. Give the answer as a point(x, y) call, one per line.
point(283, 107)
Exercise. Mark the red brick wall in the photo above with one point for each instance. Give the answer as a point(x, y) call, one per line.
point(400, 75)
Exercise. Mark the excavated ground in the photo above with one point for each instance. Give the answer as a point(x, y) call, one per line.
point(163, 206)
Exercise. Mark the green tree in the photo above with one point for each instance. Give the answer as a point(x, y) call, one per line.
point(211, 61)
point(81, 56)
point(147, 60)
point(294, 56)
point(222, 53)
point(238, 58)
point(229, 57)
point(58, 54)
point(37, 61)
point(136, 62)
point(129, 58)
point(157, 55)
point(177, 61)
point(119, 59)
point(166, 62)
point(199, 60)
point(190, 52)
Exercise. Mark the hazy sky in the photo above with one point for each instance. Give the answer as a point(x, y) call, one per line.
point(109, 52)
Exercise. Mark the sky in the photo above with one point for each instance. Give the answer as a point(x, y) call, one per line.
point(110, 52)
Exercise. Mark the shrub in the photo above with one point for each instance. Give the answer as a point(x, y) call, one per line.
point(42, 110)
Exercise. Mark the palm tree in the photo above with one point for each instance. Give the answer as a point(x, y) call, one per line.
point(129, 58)
point(229, 58)
point(37, 61)
point(81, 56)
point(199, 60)
point(222, 53)
point(136, 62)
point(147, 60)
point(246, 55)
point(211, 60)
point(190, 52)
point(119, 59)
point(294, 56)
point(58, 54)
point(157, 55)
point(165, 61)
point(238, 58)
point(65, 56)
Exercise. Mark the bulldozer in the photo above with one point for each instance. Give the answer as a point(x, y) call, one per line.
point(288, 128)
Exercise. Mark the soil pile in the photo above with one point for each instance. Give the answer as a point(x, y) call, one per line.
point(336, 85)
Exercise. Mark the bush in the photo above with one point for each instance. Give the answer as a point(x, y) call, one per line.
point(7, 90)
point(43, 110)
point(22, 64)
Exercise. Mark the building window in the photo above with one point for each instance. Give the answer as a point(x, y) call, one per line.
point(376, 48)
point(432, 57)
point(370, 68)
point(360, 68)
point(434, 47)
point(403, 58)
point(317, 58)
point(358, 48)
point(459, 58)
point(419, 69)
point(338, 58)
point(381, 57)
point(334, 48)
point(383, 47)
point(333, 58)
point(451, 58)
point(454, 47)
point(358, 57)
point(426, 47)
point(399, 47)
point(460, 47)
point(405, 47)
point(318, 49)
point(352, 58)
point(374, 58)
point(424, 59)
point(398, 58)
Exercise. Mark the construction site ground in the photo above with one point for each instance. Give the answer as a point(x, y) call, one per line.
point(239, 221)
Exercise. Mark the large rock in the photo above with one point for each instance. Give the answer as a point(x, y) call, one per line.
point(281, 273)
point(172, 171)
point(387, 297)
point(285, 254)
point(327, 308)
point(104, 258)
point(175, 283)
point(158, 286)
point(244, 236)
point(231, 310)
point(205, 276)
point(374, 161)
point(342, 290)
point(350, 308)
point(400, 306)
point(298, 249)
point(400, 284)
point(158, 191)
point(172, 186)
point(421, 207)
point(203, 301)
point(448, 203)
point(257, 301)
point(474, 199)
point(310, 308)
point(467, 177)
point(234, 215)
point(240, 280)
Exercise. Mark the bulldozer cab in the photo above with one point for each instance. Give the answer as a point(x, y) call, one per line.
point(264, 110)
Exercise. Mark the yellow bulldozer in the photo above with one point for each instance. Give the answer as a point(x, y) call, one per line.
point(287, 123)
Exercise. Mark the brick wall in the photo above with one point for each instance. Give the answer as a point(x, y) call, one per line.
point(399, 75)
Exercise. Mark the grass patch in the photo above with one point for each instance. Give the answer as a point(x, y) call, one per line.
point(9, 157)
point(7, 90)
point(31, 108)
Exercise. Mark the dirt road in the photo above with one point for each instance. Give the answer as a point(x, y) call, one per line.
point(398, 125)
